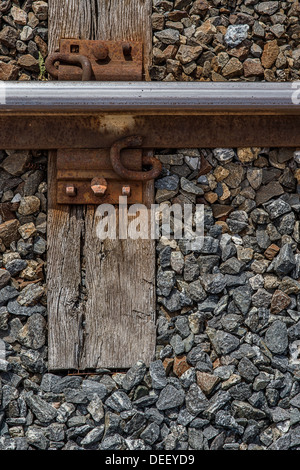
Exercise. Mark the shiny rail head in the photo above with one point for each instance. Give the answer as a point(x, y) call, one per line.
point(146, 97)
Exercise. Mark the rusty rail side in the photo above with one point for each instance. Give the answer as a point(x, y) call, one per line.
point(167, 131)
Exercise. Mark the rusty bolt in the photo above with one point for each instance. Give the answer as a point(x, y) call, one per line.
point(126, 190)
point(71, 190)
point(127, 49)
point(99, 186)
point(100, 52)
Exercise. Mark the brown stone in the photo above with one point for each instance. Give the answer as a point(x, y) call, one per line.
point(168, 364)
point(254, 176)
point(206, 32)
point(219, 61)
point(180, 365)
point(164, 195)
point(29, 205)
point(9, 231)
point(40, 9)
point(7, 210)
point(19, 15)
point(217, 363)
point(270, 54)
point(297, 175)
point(27, 230)
point(267, 192)
point(221, 210)
point(205, 167)
point(225, 193)
point(244, 254)
point(271, 251)
point(42, 45)
point(207, 382)
point(280, 301)
point(261, 162)
point(241, 52)
point(211, 197)
point(9, 36)
point(158, 56)
point(187, 54)
point(28, 62)
point(200, 7)
point(216, 77)
point(32, 20)
point(158, 21)
point(8, 71)
point(233, 68)
point(271, 281)
point(253, 68)
point(4, 278)
point(236, 175)
point(169, 52)
point(285, 154)
point(221, 173)
point(224, 226)
point(273, 159)
point(15, 163)
point(176, 15)
point(290, 286)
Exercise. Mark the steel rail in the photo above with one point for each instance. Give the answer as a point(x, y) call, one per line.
point(60, 115)
point(150, 97)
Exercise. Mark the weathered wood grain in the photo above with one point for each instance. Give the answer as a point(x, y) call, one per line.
point(120, 308)
point(65, 308)
point(101, 294)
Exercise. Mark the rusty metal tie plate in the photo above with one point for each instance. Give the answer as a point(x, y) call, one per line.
point(97, 60)
point(79, 169)
point(101, 176)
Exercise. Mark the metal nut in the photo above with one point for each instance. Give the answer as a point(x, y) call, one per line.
point(71, 190)
point(99, 186)
point(126, 190)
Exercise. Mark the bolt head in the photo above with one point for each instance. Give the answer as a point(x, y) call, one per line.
point(71, 190)
point(99, 186)
point(126, 190)
point(100, 52)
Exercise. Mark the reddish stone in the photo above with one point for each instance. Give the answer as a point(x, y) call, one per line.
point(168, 364)
point(271, 251)
point(217, 363)
point(221, 210)
point(280, 301)
point(180, 365)
point(270, 54)
point(253, 68)
point(9, 231)
point(170, 52)
point(207, 382)
point(8, 71)
point(7, 210)
point(205, 167)
point(200, 7)
point(241, 52)
point(176, 15)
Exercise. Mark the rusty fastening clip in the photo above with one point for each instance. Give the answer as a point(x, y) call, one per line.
point(133, 141)
point(75, 59)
